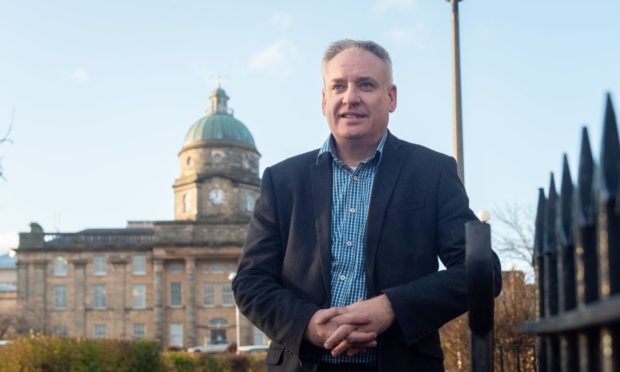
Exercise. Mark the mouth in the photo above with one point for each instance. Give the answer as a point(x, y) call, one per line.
point(351, 115)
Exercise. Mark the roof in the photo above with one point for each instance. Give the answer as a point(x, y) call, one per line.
point(219, 125)
point(8, 262)
point(7, 288)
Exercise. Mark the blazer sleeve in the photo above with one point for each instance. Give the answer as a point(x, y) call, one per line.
point(424, 305)
point(258, 287)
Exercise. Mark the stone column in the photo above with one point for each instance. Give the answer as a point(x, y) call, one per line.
point(119, 295)
point(79, 307)
point(190, 271)
point(22, 287)
point(39, 298)
point(158, 299)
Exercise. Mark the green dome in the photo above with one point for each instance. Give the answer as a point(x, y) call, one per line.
point(219, 124)
point(219, 127)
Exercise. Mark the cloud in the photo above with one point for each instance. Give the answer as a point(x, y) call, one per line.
point(381, 6)
point(405, 35)
point(282, 21)
point(276, 59)
point(80, 75)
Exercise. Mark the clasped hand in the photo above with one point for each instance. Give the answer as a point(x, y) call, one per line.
point(350, 329)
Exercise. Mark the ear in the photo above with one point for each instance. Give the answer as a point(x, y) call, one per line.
point(392, 96)
point(323, 100)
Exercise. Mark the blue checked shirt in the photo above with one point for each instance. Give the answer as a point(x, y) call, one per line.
point(351, 192)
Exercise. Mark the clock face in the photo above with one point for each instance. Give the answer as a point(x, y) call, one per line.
point(217, 196)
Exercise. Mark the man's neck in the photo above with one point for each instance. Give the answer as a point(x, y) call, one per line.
point(352, 153)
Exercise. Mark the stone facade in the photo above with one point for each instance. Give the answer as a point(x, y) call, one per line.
point(164, 280)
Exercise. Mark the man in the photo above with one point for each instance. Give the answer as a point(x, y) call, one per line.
point(340, 264)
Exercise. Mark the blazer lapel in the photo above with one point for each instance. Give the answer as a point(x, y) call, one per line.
point(385, 181)
point(321, 175)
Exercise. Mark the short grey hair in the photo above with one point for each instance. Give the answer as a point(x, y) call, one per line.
point(339, 46)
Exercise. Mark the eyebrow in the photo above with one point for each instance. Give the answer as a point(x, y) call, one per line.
point(360, 79)
point(364, 79)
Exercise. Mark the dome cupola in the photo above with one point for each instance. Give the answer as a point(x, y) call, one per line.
point(220, 125)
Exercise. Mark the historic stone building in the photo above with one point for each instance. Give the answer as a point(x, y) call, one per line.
point(165, 280)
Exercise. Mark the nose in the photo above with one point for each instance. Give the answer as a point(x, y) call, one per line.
point(351, 96)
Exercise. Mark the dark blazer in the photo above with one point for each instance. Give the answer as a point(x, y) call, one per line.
point(417, 213)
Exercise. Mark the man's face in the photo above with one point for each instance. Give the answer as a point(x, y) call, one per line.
point(357, 96)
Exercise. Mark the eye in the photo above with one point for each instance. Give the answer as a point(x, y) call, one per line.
point(366, 85)
point(338, 87)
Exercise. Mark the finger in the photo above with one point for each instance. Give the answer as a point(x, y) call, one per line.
point(341, 348)
point(352, 318)
point(357, 337)
point(324, 315)
point(338, 336)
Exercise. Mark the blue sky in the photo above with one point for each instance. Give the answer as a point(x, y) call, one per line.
point(104, 92)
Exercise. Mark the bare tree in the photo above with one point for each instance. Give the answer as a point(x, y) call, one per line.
point(514, 237)
point(514, 351)
point(6, 139)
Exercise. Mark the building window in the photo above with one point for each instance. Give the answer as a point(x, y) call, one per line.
point(138, 293)
point(205, 268)
point(227, 295)
point(260, 338)
point(60, 265)
point(217, 267)
point(209, 294)
point(99, 265)
point(175, 267)
point(60, 297)
point(99, 331)
point(218, 330)
point(175, 294)
point(176, 334)
point(138, 264)
point(249, 202)
point(232, 268)
point(218, 336)
point(139, 331)
point(99, 296)
point(185, 203)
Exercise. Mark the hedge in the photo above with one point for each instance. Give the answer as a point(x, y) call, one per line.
point(58, 354)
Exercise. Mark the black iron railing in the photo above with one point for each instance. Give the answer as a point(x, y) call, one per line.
point(577, 261)
point(480, 288)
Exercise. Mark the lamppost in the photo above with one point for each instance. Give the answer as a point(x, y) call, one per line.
point(457, 115)
point(232, 276)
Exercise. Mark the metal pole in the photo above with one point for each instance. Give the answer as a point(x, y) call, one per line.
point(457, 115)
point(238, 328)
point(232, 276)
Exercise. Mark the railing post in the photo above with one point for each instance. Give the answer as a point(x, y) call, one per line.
point(551, 276)
point(539, 268)
point(586, 260)
point(609, 232)
point(566, 268)
point(480, 286)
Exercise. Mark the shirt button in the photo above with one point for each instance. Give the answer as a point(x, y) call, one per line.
point(343, 277)
point(355, 178)
point(349, 243)
point(352, 210)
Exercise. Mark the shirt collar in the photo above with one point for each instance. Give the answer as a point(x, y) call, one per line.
point(328, 147)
